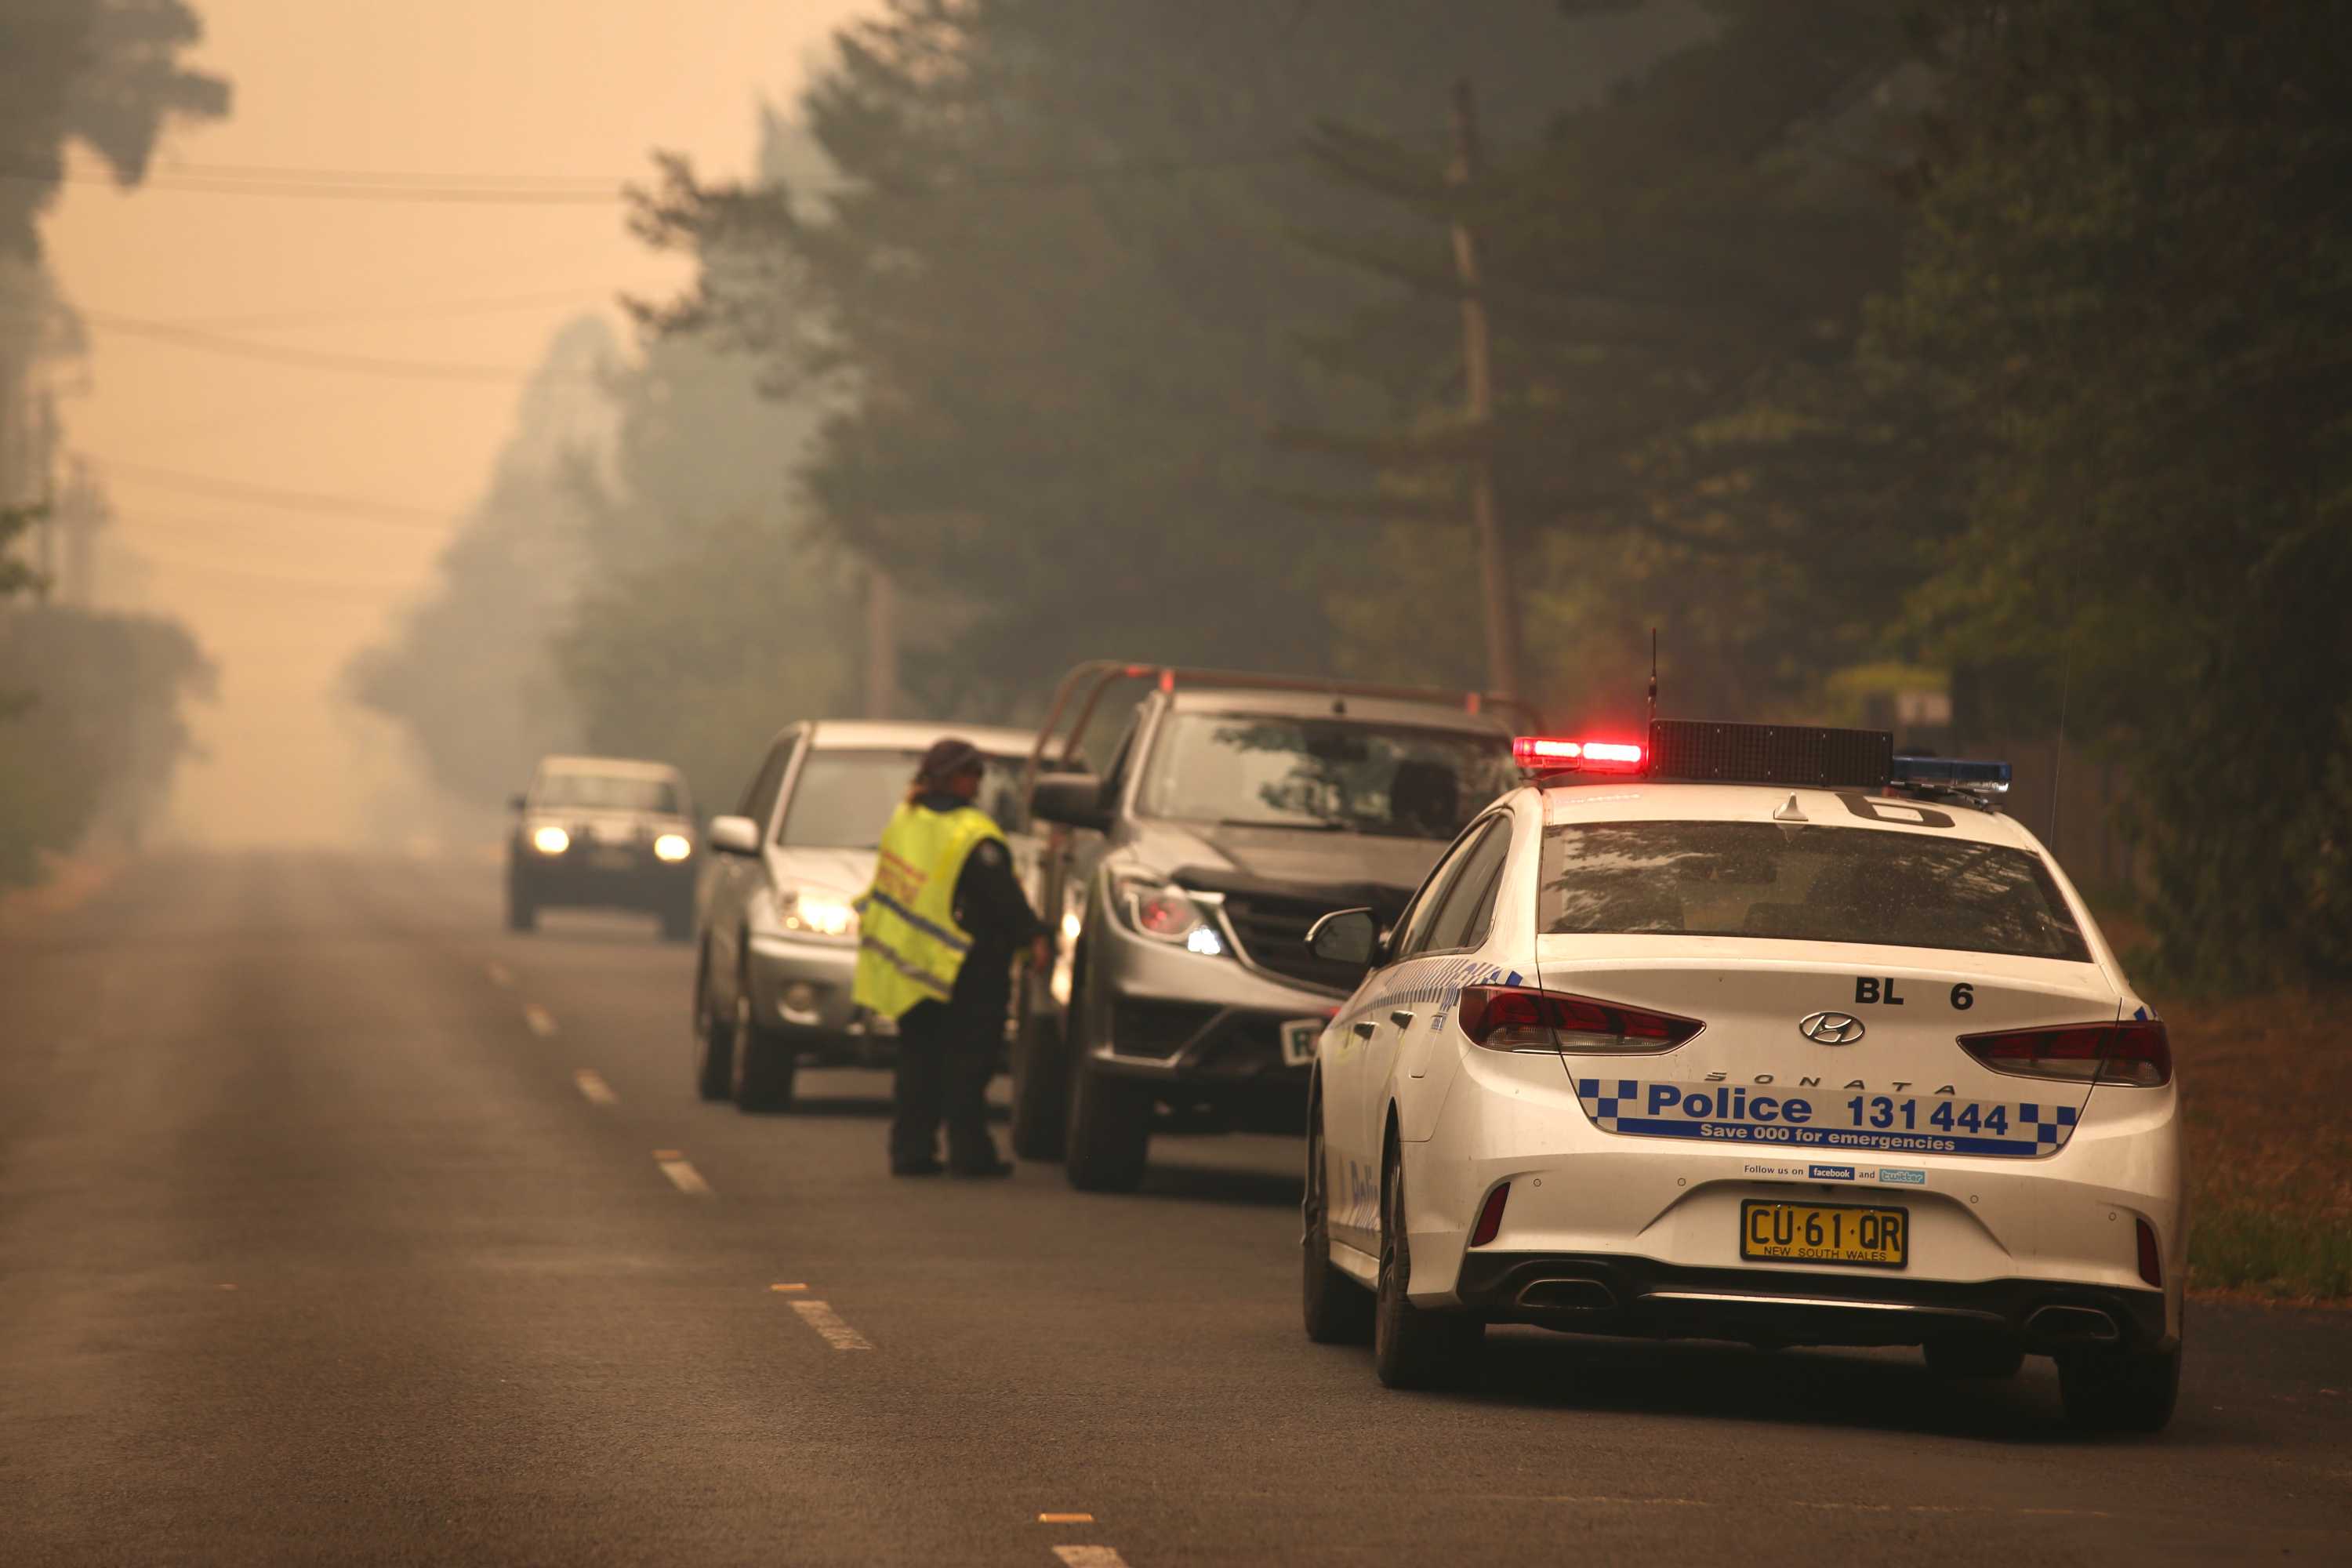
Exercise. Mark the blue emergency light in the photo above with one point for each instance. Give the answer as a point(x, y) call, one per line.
point(1951, 773)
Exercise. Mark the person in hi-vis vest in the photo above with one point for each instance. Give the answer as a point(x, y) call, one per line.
point(937, 932)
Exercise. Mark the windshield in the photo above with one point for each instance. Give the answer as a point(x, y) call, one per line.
point(1807, 884)
point(609, 792)
point(843, 800)
point(1322, 774)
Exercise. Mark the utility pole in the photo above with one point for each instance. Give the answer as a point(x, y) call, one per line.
point(881, 642)
point(1502, 617)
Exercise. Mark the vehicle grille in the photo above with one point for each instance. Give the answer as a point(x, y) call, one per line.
point(1272, 931)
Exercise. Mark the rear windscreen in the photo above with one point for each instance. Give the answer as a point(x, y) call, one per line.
point(1804, 884)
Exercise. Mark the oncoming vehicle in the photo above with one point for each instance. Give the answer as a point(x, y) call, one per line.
point(604, 833)
point(779, 939)
point(1822, 1050)
point(1236, 809)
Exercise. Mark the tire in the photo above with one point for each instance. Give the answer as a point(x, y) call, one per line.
point(1110, 1130)
point(677, 924)
point(1413, 1347)
point(1973, 1356)
point(1338, 1310)
point(764, 1065)
point(1041, 1092)
point(2119, 1390)
point(714, 1041)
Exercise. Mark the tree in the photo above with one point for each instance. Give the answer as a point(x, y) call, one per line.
point(1058, 294)
point(106, 73)
point(2130, 286)
point(1685, 435)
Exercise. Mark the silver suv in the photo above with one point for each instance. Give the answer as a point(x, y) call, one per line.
point(1236, 810)
point(778, 937)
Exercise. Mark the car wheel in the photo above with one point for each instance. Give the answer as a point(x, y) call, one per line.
point(1041, 1091)
point(1973, 1355)
point(523, 914)
point(677, 924)
point(714, 1041)
point(765, 1066)
point(1110, 1130)
point(1338, 1311)
point(1413, 1347)
point(2108, 1390)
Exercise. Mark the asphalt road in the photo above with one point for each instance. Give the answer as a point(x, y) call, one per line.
point(316, 1246)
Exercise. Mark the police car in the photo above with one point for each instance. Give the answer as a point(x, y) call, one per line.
point(1752, 1033)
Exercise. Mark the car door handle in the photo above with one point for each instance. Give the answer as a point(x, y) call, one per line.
point(1364, 1029)
point(1401, 1017)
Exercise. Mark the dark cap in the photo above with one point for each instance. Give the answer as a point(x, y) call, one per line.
point(949, 757)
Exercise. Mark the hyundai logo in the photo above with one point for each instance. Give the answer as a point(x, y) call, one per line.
point(1831, 1028)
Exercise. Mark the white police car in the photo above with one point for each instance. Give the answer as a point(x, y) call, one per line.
point(1752, 1033)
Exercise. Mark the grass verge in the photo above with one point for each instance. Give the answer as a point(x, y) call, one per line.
point(2265, 1082)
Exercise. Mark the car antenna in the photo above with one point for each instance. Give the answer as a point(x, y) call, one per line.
point(2058, 757)
point(1654, 675)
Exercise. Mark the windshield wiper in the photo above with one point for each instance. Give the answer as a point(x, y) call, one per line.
point(1313, 824)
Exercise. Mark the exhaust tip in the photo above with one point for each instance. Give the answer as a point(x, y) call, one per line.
point(2073, 1323)
point(1567, 1296)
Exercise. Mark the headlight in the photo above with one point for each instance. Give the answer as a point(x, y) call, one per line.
point(1168, 914)
point(672, 847)
point(550, 840)
point(819, 912)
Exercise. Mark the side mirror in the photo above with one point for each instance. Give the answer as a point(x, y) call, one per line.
point(1073, 800)
point(734, 836)
point(1346, 936)
point(516, 802)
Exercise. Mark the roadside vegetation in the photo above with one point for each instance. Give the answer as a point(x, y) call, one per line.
point(91, 703)
point(2270, 1158)
point(1982, 345)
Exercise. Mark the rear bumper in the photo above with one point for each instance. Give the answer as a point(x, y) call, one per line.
point(1611, 1294)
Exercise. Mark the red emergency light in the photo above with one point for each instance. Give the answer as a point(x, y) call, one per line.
point(1548, 754)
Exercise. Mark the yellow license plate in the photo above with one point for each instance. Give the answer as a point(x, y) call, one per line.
point(1823, 1233)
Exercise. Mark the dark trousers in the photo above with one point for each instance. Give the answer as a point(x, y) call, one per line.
point(946, 1055)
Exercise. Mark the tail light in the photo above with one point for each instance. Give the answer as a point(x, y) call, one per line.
point(1490, 1218)
point(2151, 1265)
point(2137, 1052)
point(1516, 1018)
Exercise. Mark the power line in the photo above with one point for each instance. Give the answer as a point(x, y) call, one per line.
point(434, 312)
point(310, 359)
point(375, 590)
point(546, 190)
point(380, 176)
point(267, 495)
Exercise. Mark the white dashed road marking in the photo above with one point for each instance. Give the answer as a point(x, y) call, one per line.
point(501, 975)
point(591, 1084)
point(683, 1176)
point(827, 1322)
point(1091, 1556)
point(541, 1021)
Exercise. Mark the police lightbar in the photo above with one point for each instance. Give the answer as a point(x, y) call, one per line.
point(1952, 773)
point(1551, 754)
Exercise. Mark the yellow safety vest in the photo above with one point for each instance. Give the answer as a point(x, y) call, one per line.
point(909, 948)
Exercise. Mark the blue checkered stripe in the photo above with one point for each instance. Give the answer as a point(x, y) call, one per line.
point(2049, 1130)
point(1601, 1095)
